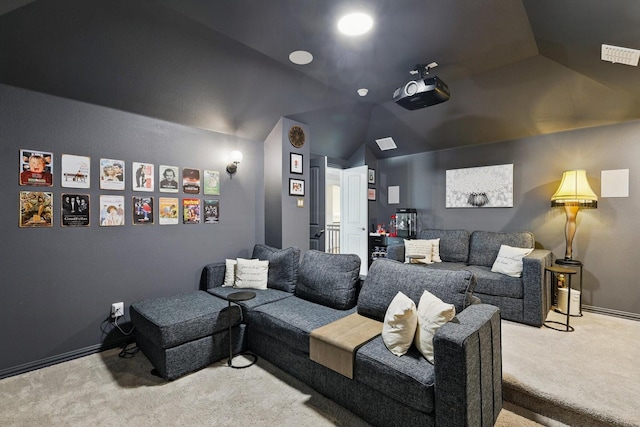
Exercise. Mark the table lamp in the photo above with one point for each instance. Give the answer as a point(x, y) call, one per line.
point(574, 193)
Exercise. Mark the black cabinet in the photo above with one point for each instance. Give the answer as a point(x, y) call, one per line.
point(378, 246)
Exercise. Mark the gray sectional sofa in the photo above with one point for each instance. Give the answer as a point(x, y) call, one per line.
point(523, 299)
point(462, 388)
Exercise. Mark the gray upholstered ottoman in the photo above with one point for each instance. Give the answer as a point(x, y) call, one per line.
point(184, 333)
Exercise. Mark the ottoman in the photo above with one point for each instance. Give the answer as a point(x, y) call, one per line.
point(183, 333)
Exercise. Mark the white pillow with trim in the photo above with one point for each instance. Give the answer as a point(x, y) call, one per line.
point(400, 322)
point(251, 274)
point(229, 272)
point(418, 247)
point(432, 313)
point(509, 260)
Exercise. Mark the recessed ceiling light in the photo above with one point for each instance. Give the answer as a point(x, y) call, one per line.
point(386, 143)
point(355, 24)
point(363, 91)
point(300, 57)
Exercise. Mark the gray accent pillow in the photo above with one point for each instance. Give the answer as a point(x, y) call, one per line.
point(485, 245)
point(329, 279)
point(283, 266)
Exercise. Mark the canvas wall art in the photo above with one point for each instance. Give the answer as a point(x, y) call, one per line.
point(481, 187)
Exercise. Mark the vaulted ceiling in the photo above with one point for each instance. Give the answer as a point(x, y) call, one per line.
point(515, 68)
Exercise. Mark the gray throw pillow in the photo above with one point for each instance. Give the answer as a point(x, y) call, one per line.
point(329, 279)
point(283, 266)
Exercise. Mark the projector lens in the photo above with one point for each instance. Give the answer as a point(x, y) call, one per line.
point(411, 88)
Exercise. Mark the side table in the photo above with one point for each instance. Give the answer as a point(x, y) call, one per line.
point(573, 263)
point(235, 298)
point(568, 272)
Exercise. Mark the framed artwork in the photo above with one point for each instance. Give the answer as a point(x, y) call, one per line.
point(168, 176)
point(191, 181)
point(481, 187)
point(295, 163)
point(168, 210)
point(111, 174)
point(111, 211)
point(371, 176)
point(296, 187)
point(142, 210)
point(75, 171)
point(36, 168)
point(211, 182)
point(191, 211)
point(75, 210)
point(36, 209)
point(371, 194)
point(211, 211)
point(142, 176)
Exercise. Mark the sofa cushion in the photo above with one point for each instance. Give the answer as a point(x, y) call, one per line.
point(387, 277)
point(251, 274)
point(291, 320)
point(174, 320)
point(454, 244)
point(263, 296)
point(490, 283)
point(432, 313)
point(418, 247)
point(509, 260)
point(485, 245)
point(409, 379)
point(283, 266)
point(329, 279)
point(400, 322)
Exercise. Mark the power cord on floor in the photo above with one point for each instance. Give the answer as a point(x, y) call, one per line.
point(128, 353)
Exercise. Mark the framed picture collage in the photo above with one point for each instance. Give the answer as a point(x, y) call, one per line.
point(37, 207)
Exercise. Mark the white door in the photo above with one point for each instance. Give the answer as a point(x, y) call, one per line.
point(354, 216)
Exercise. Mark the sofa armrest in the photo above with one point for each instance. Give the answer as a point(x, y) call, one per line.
point(212, 275)
point(396, 252)
point(468, 368)
point(537, 294)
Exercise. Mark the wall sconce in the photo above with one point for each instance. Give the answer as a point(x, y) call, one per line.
point(236, 157)
point(574, 193)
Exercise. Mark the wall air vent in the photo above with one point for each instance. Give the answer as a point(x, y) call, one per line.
point(620, 55)
point(386, 143)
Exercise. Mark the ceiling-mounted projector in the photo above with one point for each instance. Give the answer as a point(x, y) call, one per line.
point(422, 92)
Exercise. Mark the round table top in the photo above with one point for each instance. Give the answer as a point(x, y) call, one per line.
point(561, 270)
point(241, 296)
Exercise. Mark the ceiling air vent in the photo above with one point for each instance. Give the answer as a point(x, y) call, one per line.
point(620, 55)
point(386, 143)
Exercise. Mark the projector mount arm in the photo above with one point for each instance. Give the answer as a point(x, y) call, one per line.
point(422, 70)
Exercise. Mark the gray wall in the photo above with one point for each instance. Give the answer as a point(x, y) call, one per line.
point(57, 284)
point(287, 225)
point(606, 237)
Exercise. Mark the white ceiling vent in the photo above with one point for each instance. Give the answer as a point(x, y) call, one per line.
point(386, 143)
point(620, 55)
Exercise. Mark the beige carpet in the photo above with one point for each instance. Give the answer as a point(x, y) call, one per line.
point(106, 390)
point(589, 377)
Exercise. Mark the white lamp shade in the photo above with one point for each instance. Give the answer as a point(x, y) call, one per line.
point(236, 156)
point(574, 190)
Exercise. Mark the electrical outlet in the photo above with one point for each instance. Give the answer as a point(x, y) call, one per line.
point(117, 310)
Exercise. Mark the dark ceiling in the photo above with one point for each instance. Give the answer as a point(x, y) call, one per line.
point(514, 68)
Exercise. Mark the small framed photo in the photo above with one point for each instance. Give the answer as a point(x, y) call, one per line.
point(371, 176)
point(36, 209)
point(143, 176)
point(295, 164)
point(371, 194)
point(75, 210)
point(142, 210)
point(296, 187)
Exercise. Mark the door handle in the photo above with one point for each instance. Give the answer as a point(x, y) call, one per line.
point(318, 234)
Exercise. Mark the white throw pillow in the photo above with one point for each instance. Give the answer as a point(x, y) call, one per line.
point(509, 260)
point(400, 322)
point(230, 272)
point(435, 250)
point(251, 273)
point(418, 247)
point(432, 313)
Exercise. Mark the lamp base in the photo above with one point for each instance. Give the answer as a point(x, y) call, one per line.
point(564, 261)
